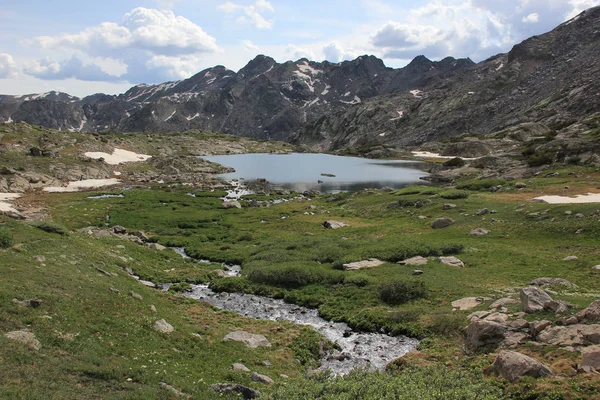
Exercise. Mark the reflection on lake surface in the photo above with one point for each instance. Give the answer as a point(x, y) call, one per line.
point(302, 172)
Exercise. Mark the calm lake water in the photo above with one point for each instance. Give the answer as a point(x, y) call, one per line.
point(302, 172)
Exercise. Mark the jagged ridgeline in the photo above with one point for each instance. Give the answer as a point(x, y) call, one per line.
point(550, 79)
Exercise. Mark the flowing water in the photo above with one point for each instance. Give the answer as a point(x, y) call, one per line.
point(364, 350)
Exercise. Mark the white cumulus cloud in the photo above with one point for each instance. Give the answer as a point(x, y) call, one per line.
point(531, 18)
point(335, 53)
point(249, 46)
point(252, 13)
point(8, 67)
point(49, 69)
point(154, 45)
point(295, 53)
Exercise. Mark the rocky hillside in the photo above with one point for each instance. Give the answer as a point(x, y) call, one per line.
point(550, 79)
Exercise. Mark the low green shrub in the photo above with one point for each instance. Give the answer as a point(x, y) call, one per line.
point(448, 324)
point(180, 287)
point(482, 184)
point(454, 194)
point(359, 280)
point(400, 291)
point(456, 162)
point(413, 383)
point(292, 274)
point(6, 238)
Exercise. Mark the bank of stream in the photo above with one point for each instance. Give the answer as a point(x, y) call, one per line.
point(356, 349)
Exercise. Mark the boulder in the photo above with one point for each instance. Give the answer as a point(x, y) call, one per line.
point(534, 299)
point(483, 211)
point(417, 272)
point(239, 367)
point(482, 333)
point(24, 337)
point(442, 223)
point(370, 263)
point(451, 261)
point(467, 303)
point(478, 232)
point(515, 339)
point(163, 326)
point(334, 224)
point(418, 260)
point(136, 295)
point(449, 206)
point(590, 360)
point(249, 339)
point(156, 246)
point(590, 314)
point(512, 365)
point(551, 281)
point(570, 258)
point(119, 230)
point(147, 283)
point(227, 388)
point(572, 335)
point(256, 377)
point(232, 204)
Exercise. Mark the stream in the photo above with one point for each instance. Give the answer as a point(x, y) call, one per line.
point(364, 350)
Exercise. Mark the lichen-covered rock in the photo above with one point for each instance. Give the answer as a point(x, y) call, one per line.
point(251, 340)
point(512, 366)
point(256, 377)
point(534, 299)
point(163, 326)
point(443, 222)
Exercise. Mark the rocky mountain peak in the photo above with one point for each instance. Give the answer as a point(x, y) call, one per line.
point(259, 65)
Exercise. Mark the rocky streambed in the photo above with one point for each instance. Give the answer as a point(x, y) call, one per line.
point(364, 350)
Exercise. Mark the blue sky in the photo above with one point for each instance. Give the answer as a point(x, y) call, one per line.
point(109, 46)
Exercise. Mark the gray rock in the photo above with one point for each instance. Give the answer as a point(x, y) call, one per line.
point(467, 303)
point(451, 261)
point(483, 333)
point(226, 388)
point(24, 337)
point(512, 366)
point(552, 281)
point(239, 368)
point(417, 272)
point(483, 211)
point(449, 206)
point(443, 222)
point(590, 360)
point(232, 204)
point(418, 260)
point(503, 302)
point(590, 314)
point(147, 284)
point(334, 224)
point(370, 263)
point(515, 339)
point(572, 335)
point(570, 258)
point(119, 230)
point(256, 377)
point(534, 299)
point(520, 185)
point(173, 391)
point(249, 339)
point(536, 327)
point(156, 246)
point(153, 308)
point(478, 232)
point(163, 326)
point(135, 295)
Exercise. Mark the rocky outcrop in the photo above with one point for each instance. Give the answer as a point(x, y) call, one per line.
point(334, 224)
point(451, 261)
point(590, 359)
point(534, 299)
point(572, 335)
point(590, 314)
point(226, 388)
point(512, 366)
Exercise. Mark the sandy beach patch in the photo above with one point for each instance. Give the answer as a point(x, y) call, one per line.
point(79, 185)
point(5, 199)
point(577, 199)
point(118, 156)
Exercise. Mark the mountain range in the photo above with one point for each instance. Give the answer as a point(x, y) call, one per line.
point(552, 79)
